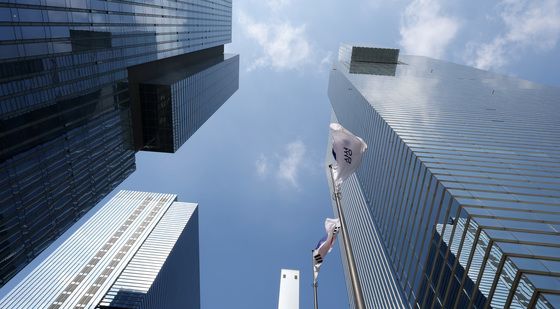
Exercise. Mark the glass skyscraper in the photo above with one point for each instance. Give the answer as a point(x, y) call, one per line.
point(176, 103)
point(140, 250)
point(69, 103)
point(457, 200)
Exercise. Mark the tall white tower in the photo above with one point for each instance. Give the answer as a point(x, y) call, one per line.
point(289, 289)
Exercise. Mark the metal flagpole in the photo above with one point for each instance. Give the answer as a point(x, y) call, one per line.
point(315, 284)
point(356, 288)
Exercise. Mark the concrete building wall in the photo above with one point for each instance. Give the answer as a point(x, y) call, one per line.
point(288, 297)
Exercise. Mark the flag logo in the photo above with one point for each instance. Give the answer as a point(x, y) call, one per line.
point(347, 150)
point(348, 155)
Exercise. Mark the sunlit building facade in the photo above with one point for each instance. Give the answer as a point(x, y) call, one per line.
point(457, 200)
point(288, 295)
point(69, 103)
point(140, 250)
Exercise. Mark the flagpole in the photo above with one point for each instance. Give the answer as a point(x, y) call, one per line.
point(353, 274)
point(315, 284)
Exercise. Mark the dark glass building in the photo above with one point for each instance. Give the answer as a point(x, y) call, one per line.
point(175, 102)
point(67, 98)
point(457, 201)
point(139, 251)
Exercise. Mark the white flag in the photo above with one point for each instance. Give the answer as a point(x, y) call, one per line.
point(347, 150)
point(332, 226)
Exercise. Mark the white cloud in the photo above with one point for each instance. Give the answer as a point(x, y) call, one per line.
point(284, 46)
point(262, 165)
point(425, 31)
point(285, 166)
point(291, 164)
point(529, 24)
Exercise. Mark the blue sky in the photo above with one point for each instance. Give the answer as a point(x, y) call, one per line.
point(256, 167)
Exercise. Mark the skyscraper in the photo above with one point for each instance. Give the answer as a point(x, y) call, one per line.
point(140, 250)
point(457, 199)
point(69, 103)
point(175, 102)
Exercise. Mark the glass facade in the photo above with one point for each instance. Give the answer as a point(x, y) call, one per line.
point(461, 180)
point(173, 278)
point(44, 190)
point(54, 48)
point(66, 123)
point(379, 284)
point(176, 105)
point(103, 264)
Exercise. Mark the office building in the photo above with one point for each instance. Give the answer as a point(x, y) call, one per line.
point(288, 297)
point(175, 102)
point(457, 200)
point(69, 103)
point(140, 250)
